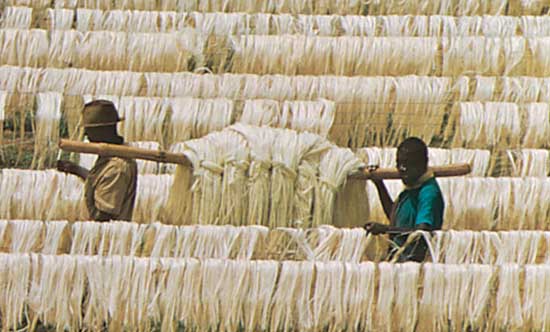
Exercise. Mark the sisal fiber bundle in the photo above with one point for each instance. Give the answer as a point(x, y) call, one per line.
point(48, 116)
point(144, 118)
point(16, 18)
point(60, 19)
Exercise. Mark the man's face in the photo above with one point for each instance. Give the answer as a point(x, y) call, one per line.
point(98, 134)
point(410, 166)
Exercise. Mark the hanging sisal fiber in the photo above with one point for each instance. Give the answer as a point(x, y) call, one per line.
point(16, 18)
point(60, 19)
point(24, 47)
point(482, 124)
point(47, 118)
point(351, 55)
point(195, 118)
point(129, 21)
point(144, 118)
point(529, 162)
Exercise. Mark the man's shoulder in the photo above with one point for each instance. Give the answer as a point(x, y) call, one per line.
point(118, 164)
point(431, 188)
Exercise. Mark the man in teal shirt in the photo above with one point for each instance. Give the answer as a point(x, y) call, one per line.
point(419, 206)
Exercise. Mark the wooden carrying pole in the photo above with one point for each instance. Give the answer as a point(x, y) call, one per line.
point(124, 151)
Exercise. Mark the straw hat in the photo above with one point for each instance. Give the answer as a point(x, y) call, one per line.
point(100, 113)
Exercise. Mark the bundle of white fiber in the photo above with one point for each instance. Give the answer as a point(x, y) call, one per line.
point(143, 118)
point(257, 306)
point(434, 315)
point(60, 19)
point(534, 26)
point(206, 182)
point(261, 112)
point(287, 151)
point(26, 235)
point(536, 311)
point(353, 55)
point(328, 298)
point(24, 47)
point(419, 114)
point(312, 148)
point(234, 197)
point(54, 239)
point(121, 238)
point(103, 50)
point(85, 237)
point(537, 125)
point(313, 116)
point(48, 115)
point(139, 312)
point(317, 25)
point(165, 52)
point(383, 157)
point(508, 309)
point(521, 89)
point(396, 26)
point(405, 310)
point(290, 304)
point(64, 48)
point(52, 304)
point(152, 196)
point(118, 83)
point(384, 306)
point(526, 216)
point(520, 247)
point(232, 294)
point(147, 166)
point(539, 58)
point(492, 56)
point(16, 18)
point(358, 25)
point(456, 247)
point(346, 244)
point(477, 158)
point(3, 104)
point(15, 273)
point(194, 118)
point(529, 162)
point(221, 24)
point(261, 143)
point(334, 196)
point(488, 124)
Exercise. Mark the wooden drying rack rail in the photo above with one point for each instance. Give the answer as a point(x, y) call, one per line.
point(114, 150)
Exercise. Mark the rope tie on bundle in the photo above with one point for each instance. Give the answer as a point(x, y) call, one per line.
point(285, 170)
point(211, 167)
point(333, 187)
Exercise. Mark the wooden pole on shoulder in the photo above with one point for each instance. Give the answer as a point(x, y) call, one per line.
point(124, 151)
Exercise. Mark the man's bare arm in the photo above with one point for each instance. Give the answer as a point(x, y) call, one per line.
point(385, 198)
point(72, 168)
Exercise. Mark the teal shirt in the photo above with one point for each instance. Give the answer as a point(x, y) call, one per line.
point(422, 205)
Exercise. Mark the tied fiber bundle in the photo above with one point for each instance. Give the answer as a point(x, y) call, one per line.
point(16, 18)
point(334, 168)
point(261, 144)
point(234, 199)
point(274, 174)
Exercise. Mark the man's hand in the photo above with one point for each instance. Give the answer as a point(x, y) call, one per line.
point(66, 166)
point(371, 168)
point(376, 228)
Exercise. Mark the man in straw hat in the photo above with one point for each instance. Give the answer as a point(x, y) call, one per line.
point(419, 206)
point(110, 186)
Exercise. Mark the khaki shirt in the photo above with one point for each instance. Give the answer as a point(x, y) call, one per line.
point(111, 188)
